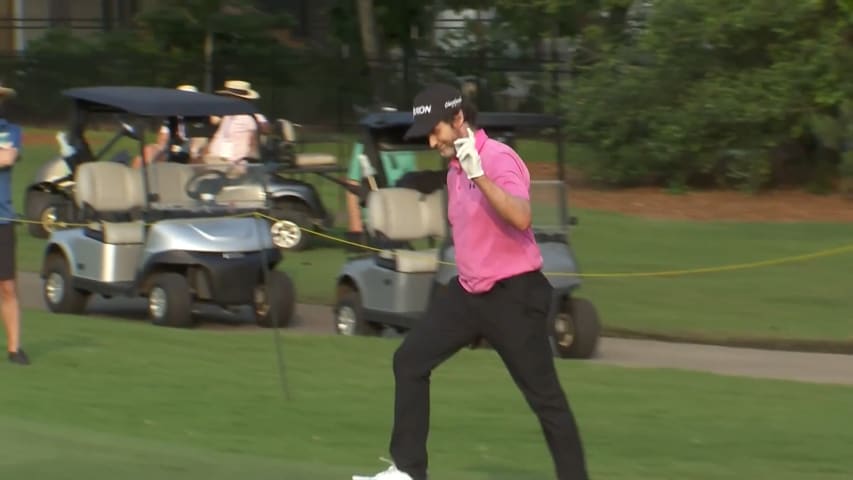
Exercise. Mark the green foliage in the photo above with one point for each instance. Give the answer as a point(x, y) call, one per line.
point(703, 91)
point(242, 35)
point(394, 22)
point(166, 50)
point(846, 167)
point(675, 93)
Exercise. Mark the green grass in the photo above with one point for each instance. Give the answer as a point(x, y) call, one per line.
point(111, 399)
point(805, 300)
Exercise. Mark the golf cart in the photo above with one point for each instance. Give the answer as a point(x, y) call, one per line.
point(176, 234)
point(296, 203)
point(49, 199)
point(390, 289)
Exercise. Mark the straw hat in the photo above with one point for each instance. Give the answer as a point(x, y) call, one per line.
point(239, 88)
point(188, 88)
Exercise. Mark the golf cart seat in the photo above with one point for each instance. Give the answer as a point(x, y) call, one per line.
point(236, 193)
point(167, 181)
point(288, 133)
point(242, 195)
point(111, 188)
point(403, 214)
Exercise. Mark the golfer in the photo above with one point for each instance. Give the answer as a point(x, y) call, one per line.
point(500, 293)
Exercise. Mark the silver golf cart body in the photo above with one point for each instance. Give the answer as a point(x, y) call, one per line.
point(175, 233)
point(49, 203)
point(393, 285)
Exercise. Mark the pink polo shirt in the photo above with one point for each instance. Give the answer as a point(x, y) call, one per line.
point(488, 248)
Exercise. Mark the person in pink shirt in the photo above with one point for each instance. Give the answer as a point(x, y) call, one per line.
point(500, 293)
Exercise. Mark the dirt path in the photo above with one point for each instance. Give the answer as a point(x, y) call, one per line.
point(316, 319)
point(778, 206)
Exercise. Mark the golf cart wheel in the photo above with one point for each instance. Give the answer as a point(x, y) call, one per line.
point(42, 207)
point(576, 329)
point(58, 291)
point(287, 231)
point(349, 316)
point(169, 301)
point(276, 311)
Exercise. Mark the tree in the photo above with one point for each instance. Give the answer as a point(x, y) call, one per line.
point(187, 28)
point(369, 41)
point(710, 91)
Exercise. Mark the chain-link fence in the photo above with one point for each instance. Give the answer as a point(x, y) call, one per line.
point(318, 88)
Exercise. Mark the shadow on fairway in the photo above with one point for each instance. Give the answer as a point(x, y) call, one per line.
point(43, 346)
point(136, 309)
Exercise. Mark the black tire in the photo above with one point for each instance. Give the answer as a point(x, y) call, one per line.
point(349, 316)
point(576, 329)
point(57, 290)
point(283, 305)
point(169, 300)
point(39, 206)
point(291, 218)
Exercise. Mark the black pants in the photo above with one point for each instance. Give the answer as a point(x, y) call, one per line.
point(512, 318)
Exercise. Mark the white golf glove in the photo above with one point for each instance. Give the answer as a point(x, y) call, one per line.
point(466, 152)
point(65, 149)
point(366, 167)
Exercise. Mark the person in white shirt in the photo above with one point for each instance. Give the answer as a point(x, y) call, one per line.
point(237, 137)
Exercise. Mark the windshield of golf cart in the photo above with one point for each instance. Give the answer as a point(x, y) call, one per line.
point(535, 137)
point(200, 189)
point(138, 115)
point(211, 186)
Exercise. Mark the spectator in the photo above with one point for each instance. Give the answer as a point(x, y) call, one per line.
point(236, 138)
point(10, 149)
point(181, 146)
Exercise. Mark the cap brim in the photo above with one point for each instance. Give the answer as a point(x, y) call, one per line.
point(418, 130)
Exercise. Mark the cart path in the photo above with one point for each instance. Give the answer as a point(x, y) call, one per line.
point(746, 362)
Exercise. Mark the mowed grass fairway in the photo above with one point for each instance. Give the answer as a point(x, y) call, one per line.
point(808, 300)
point(110, 399)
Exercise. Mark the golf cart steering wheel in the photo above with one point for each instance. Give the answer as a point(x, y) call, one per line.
point(204, 183)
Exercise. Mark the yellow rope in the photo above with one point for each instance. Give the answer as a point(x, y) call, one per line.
point(663, 273)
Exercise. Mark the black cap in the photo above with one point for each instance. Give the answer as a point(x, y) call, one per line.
point(431, 105)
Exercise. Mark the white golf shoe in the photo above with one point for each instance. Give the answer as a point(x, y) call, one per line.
point(391, 473)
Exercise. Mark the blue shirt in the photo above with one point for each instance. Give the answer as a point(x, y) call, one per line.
point(10, 136)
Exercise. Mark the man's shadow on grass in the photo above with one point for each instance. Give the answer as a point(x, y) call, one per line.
point(54, 344)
